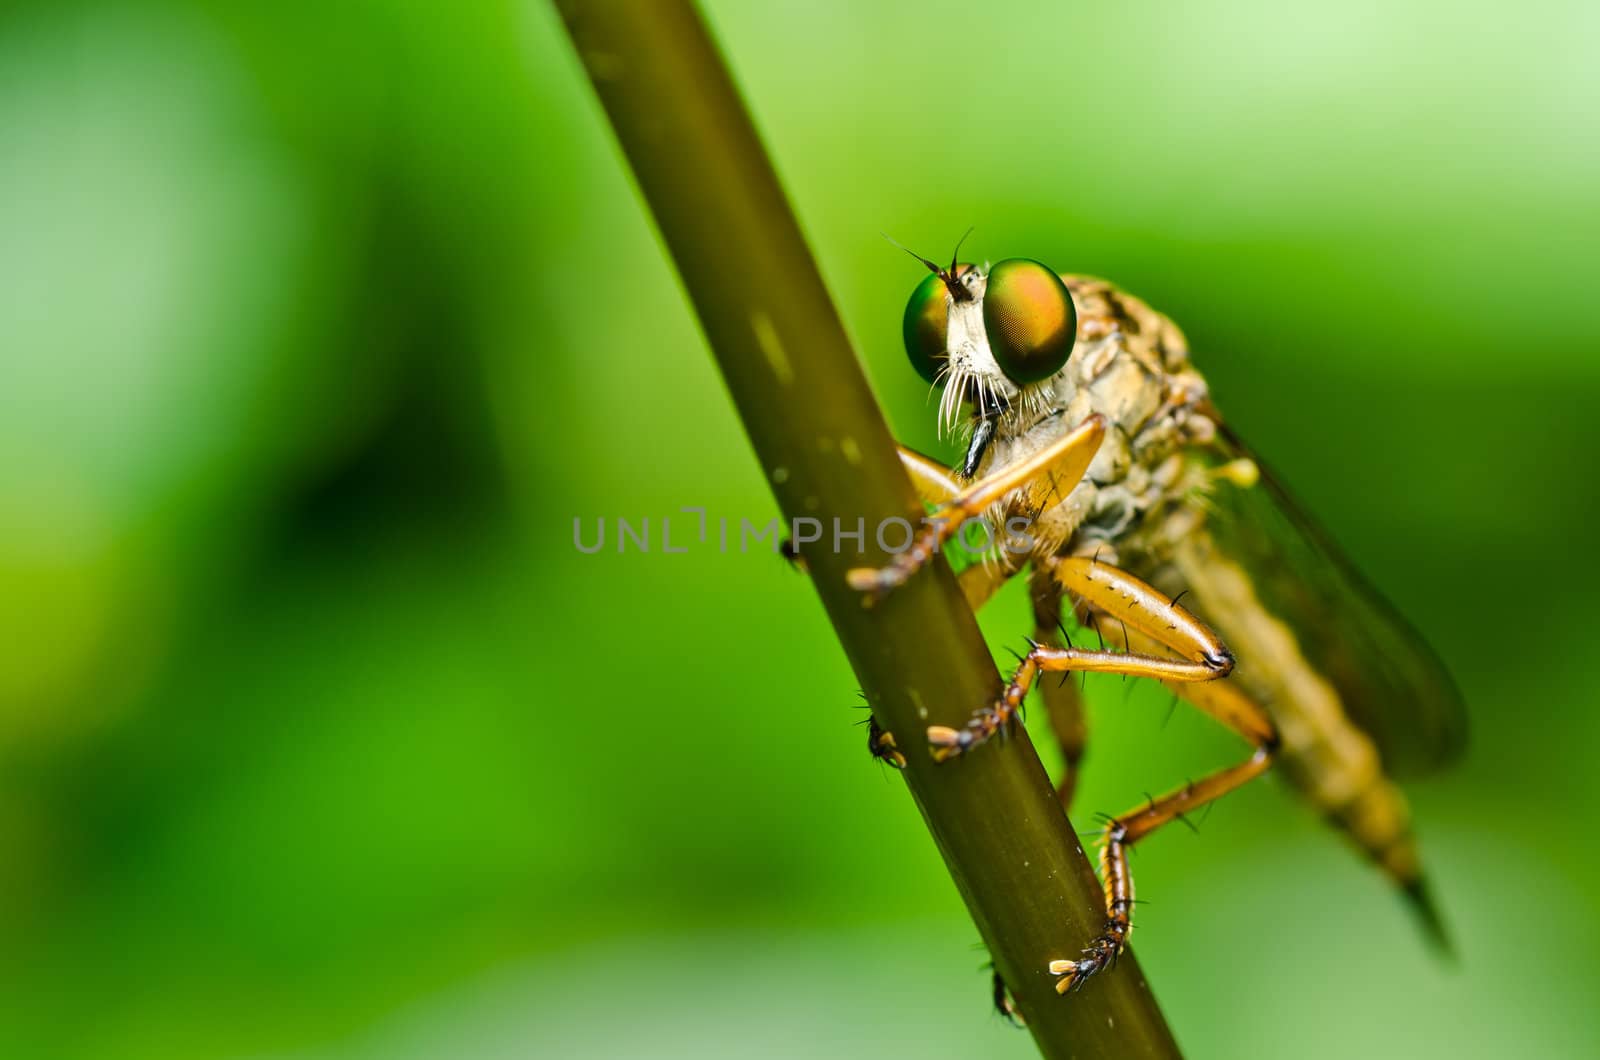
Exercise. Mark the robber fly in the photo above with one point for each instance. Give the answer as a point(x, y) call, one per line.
point(1143, 513)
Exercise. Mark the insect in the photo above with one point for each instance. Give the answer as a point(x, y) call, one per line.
point(1144, 512)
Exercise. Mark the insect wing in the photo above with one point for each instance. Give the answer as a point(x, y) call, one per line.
point(1390, 681)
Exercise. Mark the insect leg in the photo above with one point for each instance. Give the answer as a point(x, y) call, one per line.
point(935, 483)
point(1139, 606)
point(978, 584)
point(1228, 704)
point(1054, 470)
point(881, 745)
point(1063, 702)
point(1122, 833)
point(1118, 594)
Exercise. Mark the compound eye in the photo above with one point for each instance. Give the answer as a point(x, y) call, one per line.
point(1030, 320)
point(927, 325)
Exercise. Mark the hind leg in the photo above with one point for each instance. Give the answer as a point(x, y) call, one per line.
point(1229, 705)
point(1120, 835)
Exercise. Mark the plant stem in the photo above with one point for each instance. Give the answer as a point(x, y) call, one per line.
point(827, 454)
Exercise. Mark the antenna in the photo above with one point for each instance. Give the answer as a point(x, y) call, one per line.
point(957, 291)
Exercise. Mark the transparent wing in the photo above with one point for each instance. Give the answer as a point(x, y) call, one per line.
point(1392, 684)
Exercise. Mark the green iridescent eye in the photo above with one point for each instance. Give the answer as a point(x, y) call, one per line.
point(1030, 320)
point(927, 325)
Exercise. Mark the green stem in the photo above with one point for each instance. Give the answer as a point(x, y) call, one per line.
point(827, 453)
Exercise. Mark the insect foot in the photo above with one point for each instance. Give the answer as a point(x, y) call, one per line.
point(874, 583)
point(948, 743)
point(881, 745)
point(1102, 953)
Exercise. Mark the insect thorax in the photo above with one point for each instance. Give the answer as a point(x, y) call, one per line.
point(1131, 365)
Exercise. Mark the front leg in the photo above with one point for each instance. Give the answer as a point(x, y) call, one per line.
point(1053, 471)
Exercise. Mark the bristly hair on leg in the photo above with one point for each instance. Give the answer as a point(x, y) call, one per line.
point(1066, 675)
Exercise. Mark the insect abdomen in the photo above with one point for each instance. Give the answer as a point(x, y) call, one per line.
point(1321, 752)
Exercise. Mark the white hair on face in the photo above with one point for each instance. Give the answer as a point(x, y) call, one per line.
point(956, 379)
point(970, 371)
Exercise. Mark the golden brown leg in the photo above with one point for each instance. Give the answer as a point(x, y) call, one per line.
point(1228, 704)
point(1120, 595)
point(979, 582)
point(881, 745)
point(1154, 623)
point(935, 483)
point(1051, 471)
point(1122, 833)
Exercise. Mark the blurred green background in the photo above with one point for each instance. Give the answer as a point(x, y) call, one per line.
point(319, 325)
